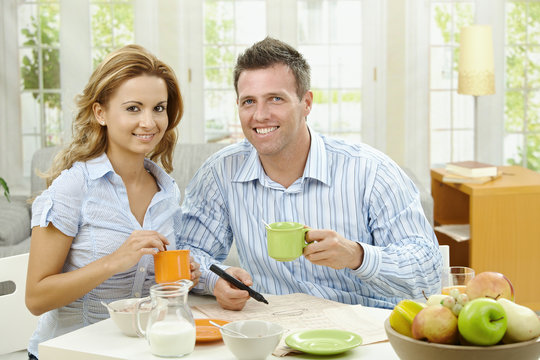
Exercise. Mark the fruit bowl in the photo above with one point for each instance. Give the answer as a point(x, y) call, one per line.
point(411, 349)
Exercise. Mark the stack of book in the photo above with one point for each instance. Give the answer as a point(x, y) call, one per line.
point(470, 172)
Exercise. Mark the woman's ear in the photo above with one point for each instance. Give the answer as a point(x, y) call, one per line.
point(98, 113)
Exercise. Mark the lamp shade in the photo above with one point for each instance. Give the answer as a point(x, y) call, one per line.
point(476, 68)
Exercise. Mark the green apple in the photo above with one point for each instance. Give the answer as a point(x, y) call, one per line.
point(482, 321)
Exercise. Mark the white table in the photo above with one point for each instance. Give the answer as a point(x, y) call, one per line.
point(104, 341)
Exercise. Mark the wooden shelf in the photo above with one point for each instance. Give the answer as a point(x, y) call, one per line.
point(504, 216)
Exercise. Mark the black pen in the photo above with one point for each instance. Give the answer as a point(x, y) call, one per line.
point(222, 274)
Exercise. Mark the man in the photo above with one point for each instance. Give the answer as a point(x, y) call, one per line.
point(370, 242)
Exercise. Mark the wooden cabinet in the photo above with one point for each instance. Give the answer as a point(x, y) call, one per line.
point(504, 218)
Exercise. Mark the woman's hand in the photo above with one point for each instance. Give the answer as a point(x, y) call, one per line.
point(139, 243)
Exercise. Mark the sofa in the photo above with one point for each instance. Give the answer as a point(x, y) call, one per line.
point(15, 216)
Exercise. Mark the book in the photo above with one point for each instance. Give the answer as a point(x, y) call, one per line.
point(458, 232)
point(471, 168)
point(458, 179)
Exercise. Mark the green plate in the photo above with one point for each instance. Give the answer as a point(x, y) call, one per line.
point(323, 341)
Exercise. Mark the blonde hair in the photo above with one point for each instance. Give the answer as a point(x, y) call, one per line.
point(89, 138)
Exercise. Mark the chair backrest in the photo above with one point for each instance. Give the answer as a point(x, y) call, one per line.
point(445, 252)
point(17, 323)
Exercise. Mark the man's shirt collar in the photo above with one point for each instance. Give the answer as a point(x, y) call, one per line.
point(317, 166)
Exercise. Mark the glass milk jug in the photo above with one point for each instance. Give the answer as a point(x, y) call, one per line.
point(171, 329)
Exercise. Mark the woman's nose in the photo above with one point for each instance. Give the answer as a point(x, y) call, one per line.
point(147, 119)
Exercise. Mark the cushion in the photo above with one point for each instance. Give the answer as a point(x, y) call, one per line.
point(14, 221)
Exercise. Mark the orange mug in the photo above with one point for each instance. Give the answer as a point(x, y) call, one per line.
point(172, 265)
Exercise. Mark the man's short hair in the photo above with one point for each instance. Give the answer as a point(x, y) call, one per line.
point(270, 52)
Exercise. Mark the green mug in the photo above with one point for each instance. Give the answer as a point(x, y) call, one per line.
point(286, 240)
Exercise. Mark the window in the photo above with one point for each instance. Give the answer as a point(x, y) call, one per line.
point(451, 116)
point(516, 29)
point(40, 68)
point(39, 59)
point(328, 33)
point(230, 26)
point(112, 26)
point(522, 97)
point(330, 37)
point(201, 41)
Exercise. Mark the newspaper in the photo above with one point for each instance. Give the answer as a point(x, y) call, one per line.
point(298, 311)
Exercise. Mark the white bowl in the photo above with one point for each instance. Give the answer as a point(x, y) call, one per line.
point(408, 348)
point(123, 314)
point(262, 338)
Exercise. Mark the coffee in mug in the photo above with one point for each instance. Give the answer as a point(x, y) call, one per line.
point(286, 240)
point(172, 265)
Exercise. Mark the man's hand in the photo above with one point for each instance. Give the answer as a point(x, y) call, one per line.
point(229, 296)
point(329, 248)
point(195, 271)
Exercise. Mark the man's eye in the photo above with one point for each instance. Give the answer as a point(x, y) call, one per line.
point(248, 102)
point(276, 98)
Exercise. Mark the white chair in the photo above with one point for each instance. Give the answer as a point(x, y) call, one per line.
point(17, 323)
point(445, 252)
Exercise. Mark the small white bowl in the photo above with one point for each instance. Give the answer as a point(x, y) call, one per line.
point(123, 314)
point(262, 338)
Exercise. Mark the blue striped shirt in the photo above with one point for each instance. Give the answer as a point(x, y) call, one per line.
point(353, 189)
point(89, 202)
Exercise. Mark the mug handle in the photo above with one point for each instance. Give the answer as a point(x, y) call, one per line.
point(137, 324)
point(304, 232)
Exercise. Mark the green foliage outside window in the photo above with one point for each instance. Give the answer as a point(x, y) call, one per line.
point(522, 99)
point(42, 37)
point(522, 73)
point(112, 26)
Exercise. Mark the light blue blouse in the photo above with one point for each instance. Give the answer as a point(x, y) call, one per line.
point(89, 202)
point(352, 189)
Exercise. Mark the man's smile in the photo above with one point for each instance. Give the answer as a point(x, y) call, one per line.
point(266, 130)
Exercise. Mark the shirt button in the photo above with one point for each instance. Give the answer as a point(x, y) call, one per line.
point(137, 294)
point(141, 269)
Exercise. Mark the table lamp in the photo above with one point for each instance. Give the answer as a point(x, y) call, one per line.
point(476, 70)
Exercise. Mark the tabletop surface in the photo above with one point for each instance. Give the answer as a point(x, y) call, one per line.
point(104, 341)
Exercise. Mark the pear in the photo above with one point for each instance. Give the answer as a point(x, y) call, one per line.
point(402, 316)
point(523, 323)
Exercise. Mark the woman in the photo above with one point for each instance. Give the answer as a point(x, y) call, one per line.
point(108, 205)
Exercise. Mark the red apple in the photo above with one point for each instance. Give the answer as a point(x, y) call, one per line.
point(437, 324)
point(490, 284)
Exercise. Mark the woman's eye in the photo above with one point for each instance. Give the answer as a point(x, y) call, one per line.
point(133, 108)
point(160, 108)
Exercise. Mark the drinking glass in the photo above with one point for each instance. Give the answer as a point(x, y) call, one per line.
point(455, 277)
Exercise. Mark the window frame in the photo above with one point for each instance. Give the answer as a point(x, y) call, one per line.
point(490, 109)
point(171, 29)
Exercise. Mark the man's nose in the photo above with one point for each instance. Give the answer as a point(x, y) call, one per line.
point(262, 112)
